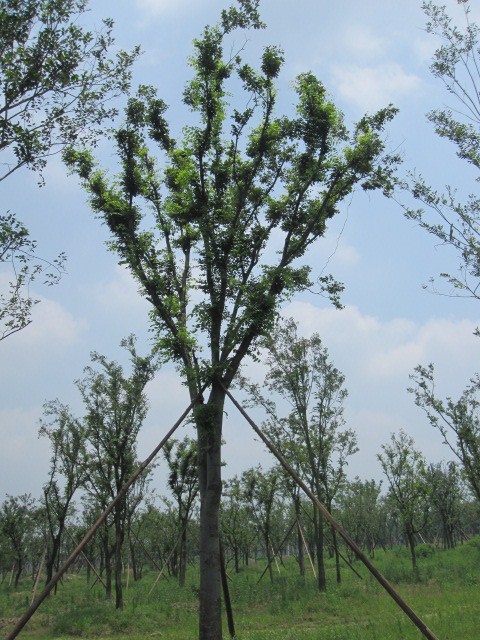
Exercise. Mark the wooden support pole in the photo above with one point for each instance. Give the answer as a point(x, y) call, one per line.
point(417, 621)
point(226, 592)
point(89, 535)
point(275, 552)
point(37, 577)
point(99, 577)
point(306, 548)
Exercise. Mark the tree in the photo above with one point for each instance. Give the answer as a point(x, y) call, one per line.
point(446, 493)
point(56, 84)
point(115, 407)
point(237, 531)
point(56, 80)
point(181, 459)
point(456, 63)
point(362, 512)
point(19, 250)
point(458, 421)
point(234, 187)
point(66, 473)
point(404, 468)
point(260, 490)
point(16, 523)
point(312, 435)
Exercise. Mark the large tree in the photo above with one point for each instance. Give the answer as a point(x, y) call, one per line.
point(215, 232)
point(57, 82)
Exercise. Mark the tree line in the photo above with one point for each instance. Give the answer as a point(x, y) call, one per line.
point(262, 513)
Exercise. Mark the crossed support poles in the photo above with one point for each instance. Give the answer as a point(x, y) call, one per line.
point(417, 621)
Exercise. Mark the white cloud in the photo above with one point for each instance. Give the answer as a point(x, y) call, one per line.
point(368, 349)
point(23, 456)
point(162, 7)
point(120, 293)
point(362, 42)
point(52, 327)
point(373, 87)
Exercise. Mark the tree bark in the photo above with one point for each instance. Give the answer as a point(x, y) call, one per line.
point(209, 418)
point(119, 535)
point(319, 544)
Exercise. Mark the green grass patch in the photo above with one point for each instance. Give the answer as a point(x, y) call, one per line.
point(444, 592)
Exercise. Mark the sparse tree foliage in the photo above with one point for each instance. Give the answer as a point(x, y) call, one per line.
point(457, 421)
point(56, 85)
point(456, 63)
point(213, 225)
point(56, 80)
point(18, 251)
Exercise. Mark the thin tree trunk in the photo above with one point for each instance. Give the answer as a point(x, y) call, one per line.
point(319, 543)
point(118, 557)
point(300, 549)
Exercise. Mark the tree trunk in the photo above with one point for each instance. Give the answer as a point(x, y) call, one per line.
point(209, 418)
point(19, 571)
point(411, 545)
point(319, 544)
point(182, 561)
point(119, 534)
point(300, 549)
point(337, 556)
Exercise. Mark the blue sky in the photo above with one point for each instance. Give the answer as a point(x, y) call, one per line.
point(367, 54)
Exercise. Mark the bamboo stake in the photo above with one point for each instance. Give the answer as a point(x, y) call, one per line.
point(275, 558)
point(226, 592)
point(417, 621)
point(11, 575)
point(306, 548)
point(89, 535)
point(274, 553)
point(37, 577)
point(128, 576)
point(149, 556)
point(99, 577)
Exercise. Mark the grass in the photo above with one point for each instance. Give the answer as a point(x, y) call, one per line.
point(444, 593)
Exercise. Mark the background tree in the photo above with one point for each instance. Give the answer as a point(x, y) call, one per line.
point(66, 474)
point(456, 63)
point(457, 421)
point(447, 496)
point(17, 523)
point(235, 186)
point(181, 459)
point(115, 407)
point(362, 512)
point(404, 468)
point(261, 490)
point(235, 515)
point(57, 81)
point(312, 435)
